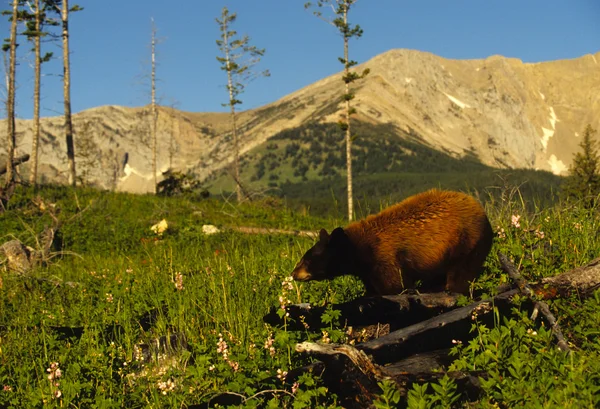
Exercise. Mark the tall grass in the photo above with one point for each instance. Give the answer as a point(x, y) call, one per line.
point(90, 313)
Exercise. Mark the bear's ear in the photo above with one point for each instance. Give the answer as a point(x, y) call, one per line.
point(338, 235)
point(323, 236)
point(339, 242)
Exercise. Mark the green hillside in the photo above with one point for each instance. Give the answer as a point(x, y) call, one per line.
point(307, 166)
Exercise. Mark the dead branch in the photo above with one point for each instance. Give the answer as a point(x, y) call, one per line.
point(360, 360)
point(265, 230)
point(349, 373)
point(581, 280)
point(46, 238)
point(438, 332)
point(6, 193)
point(509, 268)
point(16, 162)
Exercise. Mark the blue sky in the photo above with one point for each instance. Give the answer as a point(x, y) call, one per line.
point(110, 44)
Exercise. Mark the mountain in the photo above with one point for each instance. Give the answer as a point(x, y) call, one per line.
point(499, 112)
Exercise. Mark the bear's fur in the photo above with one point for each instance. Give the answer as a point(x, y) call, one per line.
point(432, 241)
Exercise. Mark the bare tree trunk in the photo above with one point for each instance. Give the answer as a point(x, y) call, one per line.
point(348, 133)
point(67, 94)
point(10, 103)
point(236, 149)
point(153, 105)
point(36, 98)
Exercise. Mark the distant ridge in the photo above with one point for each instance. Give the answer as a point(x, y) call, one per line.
point(506, 113)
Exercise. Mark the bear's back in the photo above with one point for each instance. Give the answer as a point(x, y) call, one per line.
point(421, 239)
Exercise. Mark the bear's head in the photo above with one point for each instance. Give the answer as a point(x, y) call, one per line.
point(325, 259)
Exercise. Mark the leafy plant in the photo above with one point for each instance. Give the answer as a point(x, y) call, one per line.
point(390, 395)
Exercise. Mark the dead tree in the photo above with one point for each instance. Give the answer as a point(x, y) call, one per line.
point(64, 12)
point(36, 19)
point(10, 102)
point(153, 111)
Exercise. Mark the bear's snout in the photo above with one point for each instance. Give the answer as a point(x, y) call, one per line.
point(300, 273)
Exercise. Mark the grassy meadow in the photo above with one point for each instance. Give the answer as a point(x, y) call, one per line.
point(72, 332)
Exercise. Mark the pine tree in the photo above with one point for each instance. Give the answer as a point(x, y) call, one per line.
point(237, 59)
point(340, 9)
point(584, 176)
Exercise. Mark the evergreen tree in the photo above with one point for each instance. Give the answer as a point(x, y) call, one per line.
point(237, 59)
point(340, 9)
point(584, 180)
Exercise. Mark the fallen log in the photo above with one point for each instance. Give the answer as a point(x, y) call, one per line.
point(439, 332)
point(414, 352)
point(582, 281)
point(422, 362)
point(268, 230)
point(353, 372)
point(509, 268)
point(395, 310)
point(349, 373)
point(16, 162)
point(354, 377)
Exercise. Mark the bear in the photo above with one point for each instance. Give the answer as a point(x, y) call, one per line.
point(433, 241)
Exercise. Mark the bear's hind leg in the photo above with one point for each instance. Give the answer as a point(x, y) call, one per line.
point(460, 275)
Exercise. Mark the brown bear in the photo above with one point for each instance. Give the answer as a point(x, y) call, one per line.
point(432, 241)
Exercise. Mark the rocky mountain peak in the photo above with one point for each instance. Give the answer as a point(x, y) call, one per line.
point(507, 113)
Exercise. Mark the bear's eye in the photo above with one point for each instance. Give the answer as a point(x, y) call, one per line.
point(304, 262)
point(317, 252)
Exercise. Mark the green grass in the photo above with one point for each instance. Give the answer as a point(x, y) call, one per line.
point(123, 274)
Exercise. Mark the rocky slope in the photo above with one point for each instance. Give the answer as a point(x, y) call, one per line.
point(505, 112)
